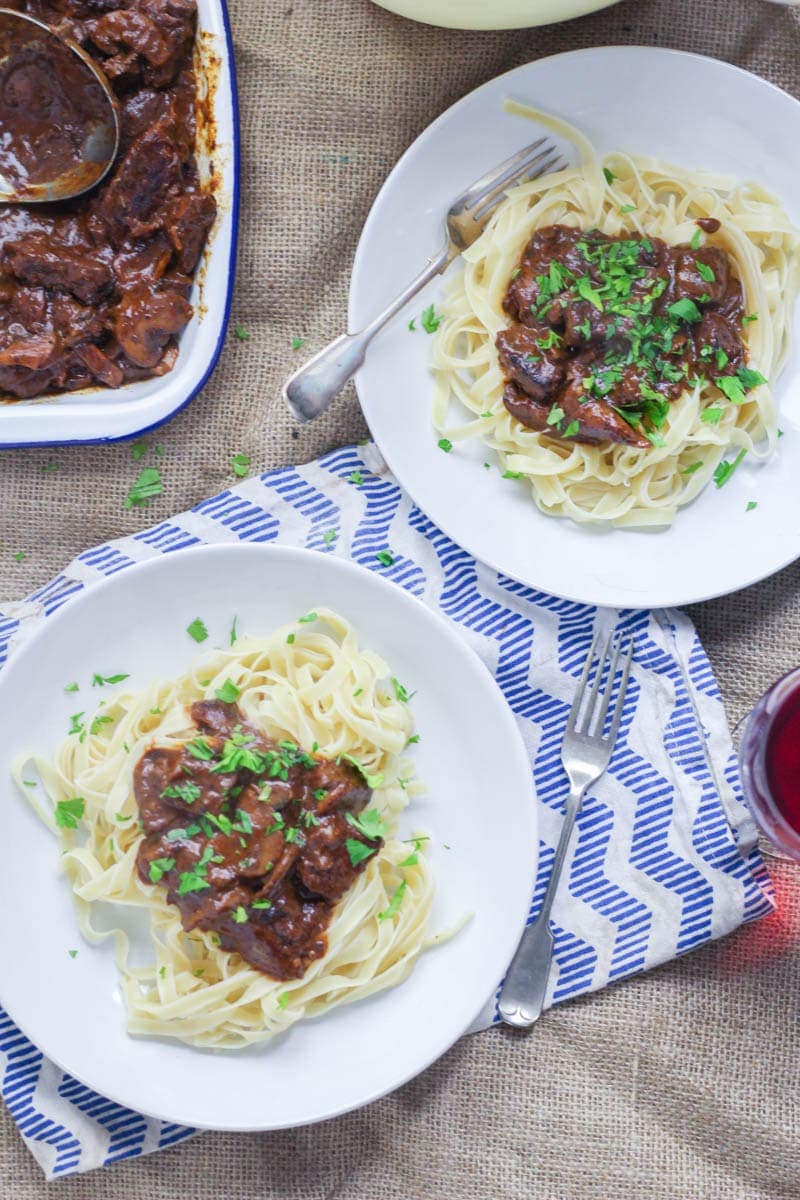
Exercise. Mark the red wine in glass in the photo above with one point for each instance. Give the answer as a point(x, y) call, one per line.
point(769, 757)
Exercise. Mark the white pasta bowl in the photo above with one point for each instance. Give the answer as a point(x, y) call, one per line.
point(493, 14)
point(478, 809)
point(106, 414)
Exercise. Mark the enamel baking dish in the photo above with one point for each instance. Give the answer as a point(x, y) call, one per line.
point(106, 414)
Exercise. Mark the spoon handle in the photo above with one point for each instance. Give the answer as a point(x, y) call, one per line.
point(310, 391)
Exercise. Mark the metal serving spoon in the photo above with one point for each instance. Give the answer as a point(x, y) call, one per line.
point(59, 127)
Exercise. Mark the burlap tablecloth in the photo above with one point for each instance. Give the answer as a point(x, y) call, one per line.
point(680, 1085)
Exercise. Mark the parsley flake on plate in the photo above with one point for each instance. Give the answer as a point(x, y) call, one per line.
point(69, 812)
point(197, 630)
point(229, 693)
point(430, 319)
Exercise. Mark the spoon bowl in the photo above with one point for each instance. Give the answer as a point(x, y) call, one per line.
point(59, 124)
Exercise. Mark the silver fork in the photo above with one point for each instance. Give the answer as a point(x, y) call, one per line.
point(585, 753)
point(310, 390)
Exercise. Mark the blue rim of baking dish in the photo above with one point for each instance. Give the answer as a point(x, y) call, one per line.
point(125, 437)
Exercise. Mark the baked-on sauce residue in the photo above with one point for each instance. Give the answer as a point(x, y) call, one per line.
point(95, 291)
point(608, 330)
point(253, 839)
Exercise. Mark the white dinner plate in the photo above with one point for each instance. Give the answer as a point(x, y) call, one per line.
point(107, 414)
point(493, 14)
point(681, 107)
point(479, 809)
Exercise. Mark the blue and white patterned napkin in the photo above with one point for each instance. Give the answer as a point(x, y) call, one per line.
point(665, 855)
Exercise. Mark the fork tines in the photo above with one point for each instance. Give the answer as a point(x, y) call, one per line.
point(589, 719)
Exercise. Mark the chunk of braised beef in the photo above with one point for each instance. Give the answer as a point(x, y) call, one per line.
point(101, 367)
point(702, 274)
point(146, 318)
point(535, 370)
point(44, 262)
point(717, 334)
point(325, 867)
point(597, 420)
point(531, 413)
point(131, 29)
point(134, 201)
point(190, 218)
point(31, 353)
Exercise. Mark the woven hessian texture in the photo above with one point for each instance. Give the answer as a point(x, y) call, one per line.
point(679, 1086)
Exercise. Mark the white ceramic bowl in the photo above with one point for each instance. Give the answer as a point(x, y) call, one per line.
point(106, 414)
point(493, 14)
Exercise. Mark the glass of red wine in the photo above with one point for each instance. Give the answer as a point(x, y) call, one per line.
point(769, 756)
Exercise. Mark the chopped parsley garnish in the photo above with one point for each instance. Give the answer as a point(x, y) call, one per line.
point(609, 175)
point(445, 444)
point(329, 537)
point(355, 477)
point(76, 724)
point(233, 635)
point(357, 851)
point(241, 333)
point(145, 488)
point(751, 504)
point(430, 319)
point(199, 748)
point(412, 327)
point(412, 741)
point(240, 914)
point(628, 208)
point(102, 680)
point(283, 999)
point(72, 953)
point(297, 342)
point(71, 687)
point(240, 465)
point(294, 835)
point(69, 812)
point(19, 556)
point(400, 692)
point(308, 619)
point(385, 558)
point(372, 781)
point(370, 823)
point(180, 835)
point(512, 475)
point(685, 310)
point(704, 271)
point(197, 630)
point(690, 470)
point(229, 693)
point(711, 415)
point(290, 639)
point(261, 904)
point(697, 238)
point(394, 903)
point(98, 723)
point(573, 428)
point(195, 880)
point(159, 867)
point(188, 792)
point(725, 469)
point(138, 451)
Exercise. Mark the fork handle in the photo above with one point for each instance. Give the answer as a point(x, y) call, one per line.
point(524, 989)
point(310, 391)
